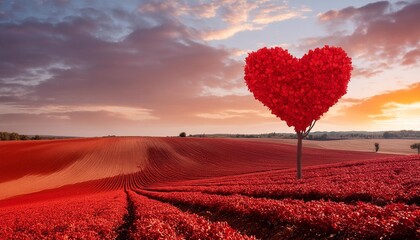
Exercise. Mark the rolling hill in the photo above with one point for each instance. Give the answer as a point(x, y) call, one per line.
point(197, 179)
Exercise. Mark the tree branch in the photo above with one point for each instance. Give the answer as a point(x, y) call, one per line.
point(309, 129)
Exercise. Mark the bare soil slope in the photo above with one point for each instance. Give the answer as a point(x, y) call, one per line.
point(390, 146)
point(32, 166)
point(189, 188)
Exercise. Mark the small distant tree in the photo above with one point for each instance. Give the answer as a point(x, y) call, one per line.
point(14, 136)
point(182, 134)
point(323, 137)
point(388, 135)
point(416, 146)
point(4, 136)
point(23, 137)
point(376, 147)
point(36, 137)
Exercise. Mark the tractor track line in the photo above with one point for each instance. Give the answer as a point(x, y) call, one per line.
point(128, 221)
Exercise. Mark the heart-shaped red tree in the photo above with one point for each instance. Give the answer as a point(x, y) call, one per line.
point(298, 91)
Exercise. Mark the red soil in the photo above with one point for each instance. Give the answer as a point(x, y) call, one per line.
point(207, 188)
point(39, 157)
point(98, 164)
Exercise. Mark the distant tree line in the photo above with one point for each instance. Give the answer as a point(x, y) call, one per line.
point(263, 135)
point(6, 136)
point(401, 134)
point(322, 136)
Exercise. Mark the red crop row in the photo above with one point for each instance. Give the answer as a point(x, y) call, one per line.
point(288, 176)
point(397, 164)
point(314, 219)
point(157, 220)
point(392, 180)
point(85, 217)
point(107, 162)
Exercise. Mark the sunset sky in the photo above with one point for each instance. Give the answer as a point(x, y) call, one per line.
point(93, 68)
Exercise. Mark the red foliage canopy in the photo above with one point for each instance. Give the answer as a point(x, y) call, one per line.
point(298, 91)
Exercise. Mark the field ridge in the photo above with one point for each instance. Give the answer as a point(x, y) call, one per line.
point(175, 188)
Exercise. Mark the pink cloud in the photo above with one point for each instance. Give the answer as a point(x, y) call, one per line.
point(231, 16)
point(157, 74)
point(383, 33)
point(362, 14)
point(178, 8)
point(367, 72)
point(411, 57)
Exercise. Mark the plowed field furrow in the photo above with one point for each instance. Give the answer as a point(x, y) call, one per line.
point(203, 189)
point(261, 229)
point(325, 171)
point(19, 157)
point(71, 190)
point(99, 158)
point(33, 166)
point(295, 219)
point(375, 182)
point(128, 220)
point(279, 193)
point(156, 220)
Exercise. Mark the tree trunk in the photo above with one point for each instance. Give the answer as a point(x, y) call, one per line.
point(299, 156)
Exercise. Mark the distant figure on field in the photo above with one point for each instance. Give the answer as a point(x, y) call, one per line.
point(376, 147)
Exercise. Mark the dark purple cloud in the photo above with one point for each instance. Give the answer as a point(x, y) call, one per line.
point(383, 32)
point(363, 14)
point(110, 58)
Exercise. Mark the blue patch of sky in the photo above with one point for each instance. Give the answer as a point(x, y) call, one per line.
point(54, 12)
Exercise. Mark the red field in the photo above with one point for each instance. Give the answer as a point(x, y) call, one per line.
point(189, 188)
